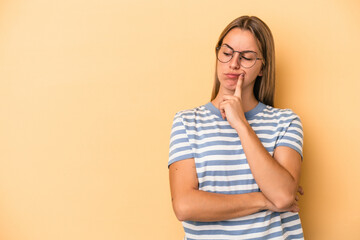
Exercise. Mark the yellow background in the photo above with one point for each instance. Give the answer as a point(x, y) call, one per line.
point(88, 91)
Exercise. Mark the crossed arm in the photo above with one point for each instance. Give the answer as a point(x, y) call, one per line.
point(277, 176)
point(192, 204)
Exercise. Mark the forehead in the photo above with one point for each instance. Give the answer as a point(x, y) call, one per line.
point(241, 40)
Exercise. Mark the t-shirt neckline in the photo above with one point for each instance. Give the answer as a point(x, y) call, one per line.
point(259, 107)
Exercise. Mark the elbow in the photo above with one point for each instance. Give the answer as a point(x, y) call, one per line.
point(182, 210)
point(284, 201)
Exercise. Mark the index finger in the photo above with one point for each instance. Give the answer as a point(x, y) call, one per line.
point(239, 85)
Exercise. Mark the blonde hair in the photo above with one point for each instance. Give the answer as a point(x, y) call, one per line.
point(264, 87)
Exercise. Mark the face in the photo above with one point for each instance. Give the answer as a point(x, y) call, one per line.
point(239, 40)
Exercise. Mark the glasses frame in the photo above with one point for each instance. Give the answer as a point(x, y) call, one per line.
point(240, 57)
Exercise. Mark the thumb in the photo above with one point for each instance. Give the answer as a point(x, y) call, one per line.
point(239, 85)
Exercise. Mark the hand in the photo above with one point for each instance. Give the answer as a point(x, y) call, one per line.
point(231, 105)
point(299, 191)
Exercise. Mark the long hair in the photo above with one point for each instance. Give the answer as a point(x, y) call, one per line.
point(264, 87)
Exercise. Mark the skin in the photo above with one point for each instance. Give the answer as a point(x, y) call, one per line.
point(277, 176)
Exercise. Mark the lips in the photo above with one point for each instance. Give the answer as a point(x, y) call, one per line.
point(232, 76)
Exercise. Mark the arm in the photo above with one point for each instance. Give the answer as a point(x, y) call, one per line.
point(192, 204)
point(277, 176)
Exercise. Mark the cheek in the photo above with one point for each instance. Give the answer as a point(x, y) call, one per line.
point(256, 71)
point(252, 74)
point(219, 70)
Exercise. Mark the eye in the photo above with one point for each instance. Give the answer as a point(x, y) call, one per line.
point(226, 51)
point(225, 54)
point(248, 56)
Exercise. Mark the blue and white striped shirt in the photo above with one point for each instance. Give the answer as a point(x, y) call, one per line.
point(222, 167)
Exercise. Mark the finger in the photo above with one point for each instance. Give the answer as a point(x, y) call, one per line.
point(239, 85)
point(223, 104)
point(300, 190)
point(222, 110)
point(295, 207)
point(223, 115)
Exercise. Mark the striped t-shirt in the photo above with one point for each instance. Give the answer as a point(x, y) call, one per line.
point(221, 167)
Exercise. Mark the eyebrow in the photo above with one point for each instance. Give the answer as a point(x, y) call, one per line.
point(246, 51)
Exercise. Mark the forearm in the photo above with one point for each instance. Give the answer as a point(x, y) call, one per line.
point(277, 184)
point(197, 205)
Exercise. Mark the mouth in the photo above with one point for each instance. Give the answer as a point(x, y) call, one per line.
point(232, 76)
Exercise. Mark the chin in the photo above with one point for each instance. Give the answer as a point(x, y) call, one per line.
point(227, 88)
point(231, 86)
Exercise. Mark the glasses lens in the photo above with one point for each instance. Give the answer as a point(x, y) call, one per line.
point(225, 54)
point(248, 59)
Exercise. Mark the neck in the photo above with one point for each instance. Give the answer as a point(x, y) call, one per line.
point(247, 98)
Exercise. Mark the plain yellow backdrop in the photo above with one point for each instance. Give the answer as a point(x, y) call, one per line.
point(88, 91)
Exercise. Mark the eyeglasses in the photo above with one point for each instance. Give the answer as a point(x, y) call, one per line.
point(247, 58)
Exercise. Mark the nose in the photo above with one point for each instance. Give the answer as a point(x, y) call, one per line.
point(235, 61)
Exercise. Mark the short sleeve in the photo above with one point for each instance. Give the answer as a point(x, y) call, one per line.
point(180, 147)
point(292, 134)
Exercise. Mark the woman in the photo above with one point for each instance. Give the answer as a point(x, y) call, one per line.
point(235, 162)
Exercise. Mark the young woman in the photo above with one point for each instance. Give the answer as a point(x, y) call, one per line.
point(235, 162)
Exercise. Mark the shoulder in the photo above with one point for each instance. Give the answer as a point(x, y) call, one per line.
point(199, 112)
point(280, 114)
